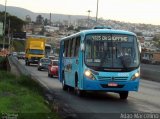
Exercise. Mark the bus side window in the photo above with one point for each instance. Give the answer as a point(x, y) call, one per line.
point(68, 51)
point(77, 46)
point(73, 47)
point(70, 47)
point(66, 48)
point(88, 49)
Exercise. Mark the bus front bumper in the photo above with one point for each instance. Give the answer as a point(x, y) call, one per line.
point(111, 86)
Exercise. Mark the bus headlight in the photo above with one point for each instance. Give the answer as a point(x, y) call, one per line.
point(136, 75)
point(89, 74)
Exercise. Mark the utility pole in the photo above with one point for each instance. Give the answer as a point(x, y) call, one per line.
point(9, 40)
point(4, 26)
point(89, 11)
point(50, 18)
point(97, 11)
point(69, 20)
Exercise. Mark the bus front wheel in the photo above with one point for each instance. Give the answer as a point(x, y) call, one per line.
point(79, 92)
point(123, 95)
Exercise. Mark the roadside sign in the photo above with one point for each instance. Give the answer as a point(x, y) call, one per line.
point(1, 28)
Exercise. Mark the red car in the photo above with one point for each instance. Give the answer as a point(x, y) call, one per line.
point(53, 69)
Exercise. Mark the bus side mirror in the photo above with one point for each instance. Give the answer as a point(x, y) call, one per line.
point(139, 46)
point(82, 47)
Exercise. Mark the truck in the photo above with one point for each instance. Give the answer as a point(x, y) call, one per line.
point(34, 50)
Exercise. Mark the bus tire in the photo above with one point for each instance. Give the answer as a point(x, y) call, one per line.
point(77, 91)
point(64, 86)
point(123, 95)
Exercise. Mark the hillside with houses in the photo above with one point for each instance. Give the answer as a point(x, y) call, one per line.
point(54, 30)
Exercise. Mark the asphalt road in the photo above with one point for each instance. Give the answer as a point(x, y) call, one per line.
point(150, 72)
point(106, 105)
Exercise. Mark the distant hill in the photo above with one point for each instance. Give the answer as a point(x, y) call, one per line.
point(22, 13)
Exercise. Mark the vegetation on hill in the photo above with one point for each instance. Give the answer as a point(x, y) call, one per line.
point(157, 40)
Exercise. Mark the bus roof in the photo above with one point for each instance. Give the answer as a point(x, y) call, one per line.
point(107, 31)
point(85, 32)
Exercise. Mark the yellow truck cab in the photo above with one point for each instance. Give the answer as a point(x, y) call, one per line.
point(34, 50)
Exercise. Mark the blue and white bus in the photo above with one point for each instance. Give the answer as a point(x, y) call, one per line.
point(100, 60)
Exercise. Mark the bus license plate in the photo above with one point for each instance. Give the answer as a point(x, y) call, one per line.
point(112, 84)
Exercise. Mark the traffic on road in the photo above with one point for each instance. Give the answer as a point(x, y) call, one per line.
point(95, 70)
point(97, 105)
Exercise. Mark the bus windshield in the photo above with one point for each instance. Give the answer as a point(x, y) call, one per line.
point(111, 51)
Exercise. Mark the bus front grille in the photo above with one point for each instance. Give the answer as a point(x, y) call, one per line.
point(102, 78)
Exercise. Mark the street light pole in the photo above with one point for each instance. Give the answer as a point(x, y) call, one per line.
point(4, 25)
point(9, 40)
point(97, 11)
point(89, 11)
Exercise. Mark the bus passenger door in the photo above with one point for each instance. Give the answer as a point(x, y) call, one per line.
point(67, 71)
point(74, 45)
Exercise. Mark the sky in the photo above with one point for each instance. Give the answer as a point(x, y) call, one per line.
point(133, 11)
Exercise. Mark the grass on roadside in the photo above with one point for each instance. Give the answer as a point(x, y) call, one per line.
point(22, 96)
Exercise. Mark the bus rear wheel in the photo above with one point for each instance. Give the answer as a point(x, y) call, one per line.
point(64, 86)
point(123, 95)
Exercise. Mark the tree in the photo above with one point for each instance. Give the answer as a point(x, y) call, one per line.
point(70, 27)
point(42, 31)
point(139, 33)
point(156, 39)
point(16, 24)
point(46, 22)
point(39, 20)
